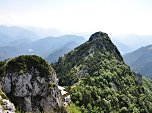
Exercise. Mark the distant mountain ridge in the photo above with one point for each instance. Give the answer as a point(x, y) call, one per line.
point(18, 32)
point(48, 45)
point(123, 48)
point(18, 41)
point(140, 60)
point(53, 57)
point(133, 41)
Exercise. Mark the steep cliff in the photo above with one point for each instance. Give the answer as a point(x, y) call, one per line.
point(31, 84)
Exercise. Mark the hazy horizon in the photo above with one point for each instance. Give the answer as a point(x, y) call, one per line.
point(76, 16)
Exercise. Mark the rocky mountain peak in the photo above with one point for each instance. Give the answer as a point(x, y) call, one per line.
point(103, 43)
point(98, 35)
point(100, 81)
point(96, 49)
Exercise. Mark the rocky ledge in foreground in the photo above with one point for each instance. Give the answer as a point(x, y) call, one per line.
point(31, 84)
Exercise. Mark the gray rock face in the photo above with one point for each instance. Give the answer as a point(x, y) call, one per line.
point(99, 35)
point(6, 106)
point(102, 42)
point(32, 93)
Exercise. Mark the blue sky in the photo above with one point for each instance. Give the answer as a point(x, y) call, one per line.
point(111, 16)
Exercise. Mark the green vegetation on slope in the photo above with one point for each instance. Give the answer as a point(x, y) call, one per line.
point(73, 109)
point(103, 83)
point(85, 58)
point(24, 63)
point(147, 84)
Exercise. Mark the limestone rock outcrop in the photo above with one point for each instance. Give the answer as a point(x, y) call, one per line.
point(30, 89)
point(6, 106)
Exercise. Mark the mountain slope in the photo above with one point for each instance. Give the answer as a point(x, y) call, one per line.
point(15, 37)
point(4, 40)
point(46, 46)
point(134, 41)
point(60, 52)
point(42, 47)
point(6, 106)
point(147, 83)
point(122, 47)
point(99, 80)
point(140, 60)
point(6, 52)
point(86, 52)
point(18, 33)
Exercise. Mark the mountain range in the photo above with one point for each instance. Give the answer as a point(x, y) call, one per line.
point(53, 57)
point(30, 40)
point(16, 41)
point(140, 60)
point(94, 74)
point(9, 34)
point(132, 42)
